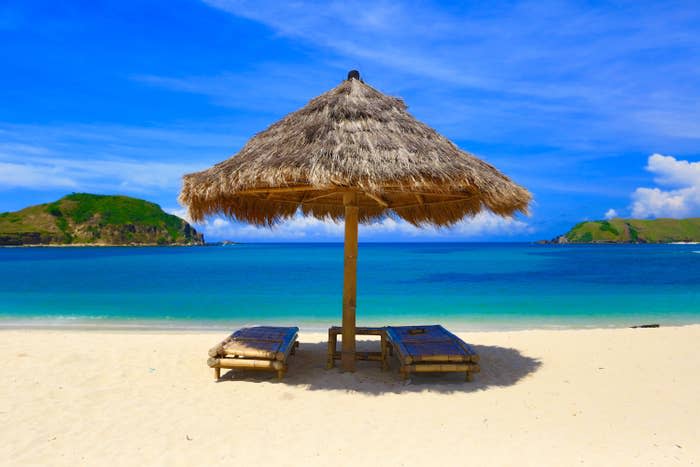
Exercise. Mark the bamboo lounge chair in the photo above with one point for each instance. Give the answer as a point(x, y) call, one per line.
point(256, 348)
point(431, 349)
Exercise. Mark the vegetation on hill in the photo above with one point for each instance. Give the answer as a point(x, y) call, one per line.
point(634, 231)
point(82, 218)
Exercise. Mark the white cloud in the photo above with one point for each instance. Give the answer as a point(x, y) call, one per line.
point(654, 202)
point(106, 157)
point(179, 212)
point(486, 223)
point(32, 176)
point(426, 45)
point(312, 229)
point(683, 200)
point(611, 214)
point(133, 176)
point(673, 172)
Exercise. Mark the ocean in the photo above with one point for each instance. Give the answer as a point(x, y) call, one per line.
point(463, 285)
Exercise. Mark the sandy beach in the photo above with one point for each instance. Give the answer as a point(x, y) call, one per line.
point(544, 397)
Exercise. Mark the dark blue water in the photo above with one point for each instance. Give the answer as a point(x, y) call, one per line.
point(464, 285)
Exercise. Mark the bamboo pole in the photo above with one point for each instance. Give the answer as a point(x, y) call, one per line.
point(217, 351)
point(290, 343)
point(246, 363)
point(248, 350)
point(444, 367)
point(349, 281)
point(332, 344)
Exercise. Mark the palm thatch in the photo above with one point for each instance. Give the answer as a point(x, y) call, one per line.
point(355, 139)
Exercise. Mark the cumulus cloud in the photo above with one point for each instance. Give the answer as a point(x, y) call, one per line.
point(673, 172)
point(611, 214)
point(679, 195)
point(312, 229)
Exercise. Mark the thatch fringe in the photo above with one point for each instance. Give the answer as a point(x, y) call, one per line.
point(352, 138)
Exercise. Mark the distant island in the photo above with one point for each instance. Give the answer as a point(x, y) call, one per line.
point(633, 231)
point(100, 220)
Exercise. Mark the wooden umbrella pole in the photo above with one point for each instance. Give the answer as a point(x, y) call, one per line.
point(350, 200)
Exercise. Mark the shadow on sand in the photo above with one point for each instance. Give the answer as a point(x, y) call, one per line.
point(500, 367)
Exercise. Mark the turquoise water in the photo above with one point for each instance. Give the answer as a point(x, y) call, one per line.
point(464, 285)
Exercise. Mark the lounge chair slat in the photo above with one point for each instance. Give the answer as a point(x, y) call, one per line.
point(262, 347)
point(286, 348)
point(431, 348)
point(252, 349)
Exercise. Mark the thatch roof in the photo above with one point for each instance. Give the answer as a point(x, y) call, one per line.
point(352, 138)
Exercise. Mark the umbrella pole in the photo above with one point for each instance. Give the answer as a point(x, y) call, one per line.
point(349, 281)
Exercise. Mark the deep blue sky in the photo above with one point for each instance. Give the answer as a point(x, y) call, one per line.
point(592, 106)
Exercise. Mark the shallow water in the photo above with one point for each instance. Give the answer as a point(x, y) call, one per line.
point(465, 285)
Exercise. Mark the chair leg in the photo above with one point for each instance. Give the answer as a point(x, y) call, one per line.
point(470, 376)
point(332, 343)
point(384, 352)
point(280, 374)
point(217, 373)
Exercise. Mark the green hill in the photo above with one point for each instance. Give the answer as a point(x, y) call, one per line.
point(634, 231)
point(82, 218)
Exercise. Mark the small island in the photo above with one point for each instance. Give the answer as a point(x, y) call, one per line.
point(95, 220)
point(633, 231)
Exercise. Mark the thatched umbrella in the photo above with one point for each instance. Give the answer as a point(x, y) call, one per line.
point(357, 154)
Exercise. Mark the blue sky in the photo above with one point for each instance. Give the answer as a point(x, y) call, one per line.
point(593, 106)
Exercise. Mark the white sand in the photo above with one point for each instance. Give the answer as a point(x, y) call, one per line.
point(601, 397)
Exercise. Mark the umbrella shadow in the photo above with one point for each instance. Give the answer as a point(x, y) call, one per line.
point(500, 367)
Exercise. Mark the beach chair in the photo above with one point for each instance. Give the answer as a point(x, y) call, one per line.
point(431, 348)
point(255, 348)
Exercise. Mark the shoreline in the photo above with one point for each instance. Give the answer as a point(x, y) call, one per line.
point(187, 326)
